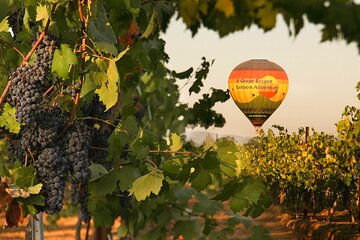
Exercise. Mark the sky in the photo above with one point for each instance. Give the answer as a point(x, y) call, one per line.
point(322, 76)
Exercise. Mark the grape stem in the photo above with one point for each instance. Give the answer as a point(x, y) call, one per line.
point(4, 93)
point(84, 23)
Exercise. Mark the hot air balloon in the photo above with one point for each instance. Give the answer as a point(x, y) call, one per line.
point(258, 87)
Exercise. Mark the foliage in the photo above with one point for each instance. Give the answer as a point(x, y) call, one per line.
point(318, 164)
point(147, 174)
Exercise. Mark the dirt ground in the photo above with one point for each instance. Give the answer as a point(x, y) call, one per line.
point(278, 224)
point(65, 229)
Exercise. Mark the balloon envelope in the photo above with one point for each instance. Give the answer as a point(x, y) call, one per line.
point(258, 87)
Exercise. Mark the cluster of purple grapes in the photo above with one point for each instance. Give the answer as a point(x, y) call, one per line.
point(77, 147)
point(41, 141)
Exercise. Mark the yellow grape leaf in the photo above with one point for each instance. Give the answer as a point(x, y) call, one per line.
point(4, 25)
point(8, 119)
point(35, 189)
point(108, 92)
point(121, 54)
point(225, 6)
point(150, 26)
point(42, 14)
point(176, 142)
point(267, 16)
point(143, 186)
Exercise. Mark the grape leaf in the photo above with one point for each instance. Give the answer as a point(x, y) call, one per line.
point(4, 25)
point(97, 170)
point(211, 161)
point(14, 215)
point(189, 229)
point(149, 29)
point(94, 77)
point(106, 184)
point(238, 203)
point(24, 176)
point(108, 93)
point(225, 6)
point(176, 142)
point(8, 119)
point(183, 75)
point(127, 175)
point(42, 13)
point(122, 231)
point(63, 59)
point(107, 48)
point(147, 184)
point(5, 197)
point(200, 179)
point(267, 15)
point(191, 10)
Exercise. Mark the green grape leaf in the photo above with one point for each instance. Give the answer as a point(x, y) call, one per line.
point(97, 170)
point(129, 125)
point(122, 231)
point(24, 176)
point(140, 150)
point(107, 47)
point(108, 93)
point(63, 59)
point(200, 179)
point(183, 75)
point(226, 151)
point(189, 229)
point(94, 77)
point(100, 32)
point(211, 160)
point(238, 203)
point(171, 167)
point(204, 205)
point(147, 184)
point(106, 184)
point(8, 119)
point(127, 175)
point(117, 141)
point(200, 74)
point(176, 142)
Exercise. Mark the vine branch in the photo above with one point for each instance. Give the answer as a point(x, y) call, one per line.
point(84, 24)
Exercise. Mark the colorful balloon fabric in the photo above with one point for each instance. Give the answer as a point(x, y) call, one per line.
point(258, 87)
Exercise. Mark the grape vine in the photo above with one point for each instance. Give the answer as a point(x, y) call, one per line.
point(89, 105)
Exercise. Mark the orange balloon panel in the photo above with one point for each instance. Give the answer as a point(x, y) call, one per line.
point(258, 87)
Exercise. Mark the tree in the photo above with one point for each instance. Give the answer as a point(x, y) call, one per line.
point(85, 85)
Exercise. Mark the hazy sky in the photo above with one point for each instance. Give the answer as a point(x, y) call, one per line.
point(322, 76)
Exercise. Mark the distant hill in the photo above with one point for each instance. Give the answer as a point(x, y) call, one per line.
point(199, 136)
